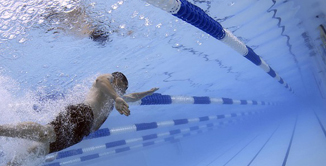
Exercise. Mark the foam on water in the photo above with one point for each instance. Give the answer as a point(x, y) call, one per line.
point(17, 105)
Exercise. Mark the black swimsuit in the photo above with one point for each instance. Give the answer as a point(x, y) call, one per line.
point(71, 126)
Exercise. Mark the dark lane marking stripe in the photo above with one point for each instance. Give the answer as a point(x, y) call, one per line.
point(264, 144)
point(321, 125)
point(290, 144)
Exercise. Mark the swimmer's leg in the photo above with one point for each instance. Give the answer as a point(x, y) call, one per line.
point(36, 150)
point(29, 130)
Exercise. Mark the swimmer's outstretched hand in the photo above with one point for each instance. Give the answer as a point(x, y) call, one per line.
point(121, 106)
point(152, 91)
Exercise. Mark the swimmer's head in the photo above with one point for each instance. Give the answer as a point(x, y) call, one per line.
point(121, 82)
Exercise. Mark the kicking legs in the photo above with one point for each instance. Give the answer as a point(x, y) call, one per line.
point(29, 130)
point(41, 135)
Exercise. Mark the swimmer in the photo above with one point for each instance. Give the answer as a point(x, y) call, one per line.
point(80, 24)
point(76, 23)
point(77, 121)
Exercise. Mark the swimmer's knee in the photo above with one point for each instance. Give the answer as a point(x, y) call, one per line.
point(43, 133)
point(47, 134)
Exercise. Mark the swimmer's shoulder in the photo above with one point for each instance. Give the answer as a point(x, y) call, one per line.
point(108, 75)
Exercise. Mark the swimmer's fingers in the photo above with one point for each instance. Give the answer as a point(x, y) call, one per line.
point(119, 111)
point(119, 107)
point(151, 91)
point(126, 111)
point(154, 89)
point(122, 106)
point(125, 105)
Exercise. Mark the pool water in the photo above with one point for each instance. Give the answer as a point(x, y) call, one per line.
point(48, 60)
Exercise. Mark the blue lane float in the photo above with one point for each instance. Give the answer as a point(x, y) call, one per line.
point(127, 148)
point(158, 98)
point(147, 140)
point(198, 18)
point(149, 137)
point(104, 132)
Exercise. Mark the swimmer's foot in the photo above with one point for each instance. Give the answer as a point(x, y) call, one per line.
point(99, 36)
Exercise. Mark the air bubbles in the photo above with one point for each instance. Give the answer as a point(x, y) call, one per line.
point(159, 25)
point(6, 14)
point(49, 3)
point(5, 3)
point(22, 40)
point(17, 17)
point(40, 21)
point(117, 4)
point(23, 72)
point(31, 10)
point(134, 14)
point(69, 7)
point(11, 36)
point(122, 26)
point(114, 6)
point(15, 56)
point(63, 75)
point(147, 22)
point(141, 17)
point(231, 4)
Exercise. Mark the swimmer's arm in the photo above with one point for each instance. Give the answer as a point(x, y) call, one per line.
point(105, 86)
point(132, 97)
